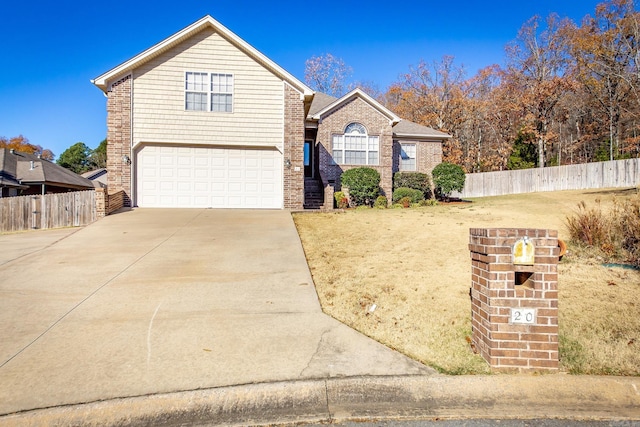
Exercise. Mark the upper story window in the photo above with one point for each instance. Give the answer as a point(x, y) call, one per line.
point(209, 92)
point(355, 147)
point(408, 157)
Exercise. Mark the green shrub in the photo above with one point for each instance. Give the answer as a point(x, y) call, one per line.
point(363, 184)
point(342, 202)
point(381, 202)
point(415, 196)
point(447, 178)
point(416, 180)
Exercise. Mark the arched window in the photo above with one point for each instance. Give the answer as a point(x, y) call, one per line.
point(355, 128)
point(355, 146)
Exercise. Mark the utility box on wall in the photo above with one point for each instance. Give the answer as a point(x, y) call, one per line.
point(514, 297)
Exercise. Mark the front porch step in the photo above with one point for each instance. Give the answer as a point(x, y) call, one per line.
point(313, 194)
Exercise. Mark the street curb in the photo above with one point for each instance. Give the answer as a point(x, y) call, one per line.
point(361, 398)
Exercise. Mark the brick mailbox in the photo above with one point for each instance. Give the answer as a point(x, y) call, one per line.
point(514, 297)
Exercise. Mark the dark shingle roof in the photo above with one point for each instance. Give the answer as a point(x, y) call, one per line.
point(411, 129)
point(8, 165)
point(320, 101)
point(30, 169)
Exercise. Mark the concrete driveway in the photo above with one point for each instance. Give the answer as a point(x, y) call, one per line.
point(156, 301)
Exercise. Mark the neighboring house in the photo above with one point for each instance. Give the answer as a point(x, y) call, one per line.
point(203, 119)
point(98, 176)
point(22, 174)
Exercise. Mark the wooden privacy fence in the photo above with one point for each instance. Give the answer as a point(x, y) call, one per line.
point(616, 173)
point(49, 211)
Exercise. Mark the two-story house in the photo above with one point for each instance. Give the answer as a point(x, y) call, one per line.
point(203, 119)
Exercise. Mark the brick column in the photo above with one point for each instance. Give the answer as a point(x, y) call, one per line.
point(119, 137)
point(102, 202)
point(514, 307)
point(293, 167)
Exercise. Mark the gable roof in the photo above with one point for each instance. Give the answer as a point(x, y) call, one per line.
point(407, 129)
point(28, 169)
point(323, 103)
point(356, 93)
point(182, 35)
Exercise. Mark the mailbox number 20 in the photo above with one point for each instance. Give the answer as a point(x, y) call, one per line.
point(523, 316)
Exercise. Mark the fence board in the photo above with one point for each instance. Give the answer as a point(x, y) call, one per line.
point(72, 209)
point(616, 173)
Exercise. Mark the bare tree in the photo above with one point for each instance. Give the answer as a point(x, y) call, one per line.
point(328, 74)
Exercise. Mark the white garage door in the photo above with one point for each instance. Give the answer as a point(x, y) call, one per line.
point(194, 177)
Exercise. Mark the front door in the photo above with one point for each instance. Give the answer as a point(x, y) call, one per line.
point(308, 159)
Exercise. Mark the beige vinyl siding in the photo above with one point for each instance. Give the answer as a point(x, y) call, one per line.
point(159, 97)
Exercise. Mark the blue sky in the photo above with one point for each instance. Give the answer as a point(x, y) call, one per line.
point(49, 51)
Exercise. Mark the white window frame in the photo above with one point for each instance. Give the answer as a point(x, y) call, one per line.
point(205, 91)
point(197, 87)
point(356, 145)
point(407, 162)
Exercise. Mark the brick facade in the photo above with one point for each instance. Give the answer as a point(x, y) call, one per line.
point(498, 286)
point(428, 154)
point(119, 137)
point(357, 110)
point(293, 163)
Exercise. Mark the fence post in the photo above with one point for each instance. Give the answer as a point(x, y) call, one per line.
point(36, 212)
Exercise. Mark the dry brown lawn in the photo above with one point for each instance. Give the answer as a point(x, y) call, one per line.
point(402, 277)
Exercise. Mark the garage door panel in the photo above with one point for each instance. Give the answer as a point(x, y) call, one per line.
point(201, 162)
point(217, 202)
point(268, 174)
point(184, 200)
point(208, 177)
point(199, 173)
point(235, 187)
point(167, 186)
point(266, 188)
point(201, 187)
point(218, 188)
point(185, 173)
point(167, 160)
point(184, 187)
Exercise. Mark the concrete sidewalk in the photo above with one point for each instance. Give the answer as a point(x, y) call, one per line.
point(161, 301)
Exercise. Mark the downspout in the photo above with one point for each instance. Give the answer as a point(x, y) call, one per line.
point(132, 191)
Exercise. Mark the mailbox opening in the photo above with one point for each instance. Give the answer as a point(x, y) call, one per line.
point(524, 279)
